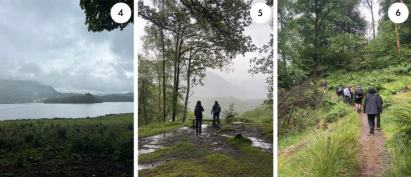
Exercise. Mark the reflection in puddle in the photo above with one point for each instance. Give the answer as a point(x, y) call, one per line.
point(149, 166)
point(145, 151)
point(260, 143)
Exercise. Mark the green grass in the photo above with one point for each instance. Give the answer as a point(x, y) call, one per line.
point(327, 153)
point(153, 129)
point(61, 140)
point(193, 160)
point(265, 129)
point(226, 128)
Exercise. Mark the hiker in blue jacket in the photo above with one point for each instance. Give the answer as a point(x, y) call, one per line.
point(198, 112)
point(216, 109)
point(372, 106)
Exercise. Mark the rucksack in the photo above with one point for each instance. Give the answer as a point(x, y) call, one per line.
point(358, 92)
point(217, 108)
point(197, 111)
point(351, 90)
point(347, 92)
point(339, 90)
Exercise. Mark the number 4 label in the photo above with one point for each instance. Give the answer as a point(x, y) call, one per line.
point(120, 12)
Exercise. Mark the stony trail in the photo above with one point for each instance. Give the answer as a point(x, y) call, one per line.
point(375, 157)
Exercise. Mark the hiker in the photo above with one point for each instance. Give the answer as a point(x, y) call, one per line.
point(198, 112)
point(379, 114)
point(339, 91)
point(372, 106)
point(351, 93)
point(358, 95)
point(347, 95)
point(216, 109)
point(324, 86)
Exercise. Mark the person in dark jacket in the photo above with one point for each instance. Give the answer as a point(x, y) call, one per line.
point(216, 110)
point(358, 96)
point(198, 112)
point(372, 106)
point(339, 91)
point(324, 86)
point(379, 114)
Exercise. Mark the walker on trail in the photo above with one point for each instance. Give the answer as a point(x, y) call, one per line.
point(339, 91)
point(379, 114)
point(198, 112)
point(358, 95)
point(324, 86)
point(347, 95)
point(216, 109)
point(372, 106)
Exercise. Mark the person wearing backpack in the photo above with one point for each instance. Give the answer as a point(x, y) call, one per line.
point(379, 114)
point(358, 95)
point(347, 95)
point(339, 91)
point(324, 86)
point(198, 112)
point(372, 106)
point(216, 109)
point(351, 92)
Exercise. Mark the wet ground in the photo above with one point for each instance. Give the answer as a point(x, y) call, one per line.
point(211, 137)
point(375, 158)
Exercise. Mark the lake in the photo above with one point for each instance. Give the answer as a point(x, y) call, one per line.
point(40, 110)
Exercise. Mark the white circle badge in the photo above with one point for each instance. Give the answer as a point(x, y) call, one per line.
point(260, 13)
point(120, 12)
point(398, 12)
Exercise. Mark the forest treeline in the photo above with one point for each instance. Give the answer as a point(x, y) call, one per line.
point(184, 38)
point(86, 98)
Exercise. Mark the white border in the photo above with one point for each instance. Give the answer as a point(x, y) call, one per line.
point(135, 54)
point(275, 128)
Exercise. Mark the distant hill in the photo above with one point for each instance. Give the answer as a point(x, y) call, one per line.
point(27, 91)
point(87, 98)
point(239, 106)
point(216, 86)
point(23, 91)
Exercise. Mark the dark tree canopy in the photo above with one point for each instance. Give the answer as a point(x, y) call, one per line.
point(98, 16)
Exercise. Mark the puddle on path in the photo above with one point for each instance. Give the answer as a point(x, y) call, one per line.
point(258, 143)
point(149, 166)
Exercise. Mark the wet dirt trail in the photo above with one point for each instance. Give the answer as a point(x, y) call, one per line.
point(374, 158)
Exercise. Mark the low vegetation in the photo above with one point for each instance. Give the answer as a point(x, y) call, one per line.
point(68, 146)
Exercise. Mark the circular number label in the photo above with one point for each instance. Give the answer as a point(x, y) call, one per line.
point(260, 13)
point(398, 12)
point(120, 12)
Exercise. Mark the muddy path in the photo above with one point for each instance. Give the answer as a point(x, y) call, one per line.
point(374, 159)
point(211, 137)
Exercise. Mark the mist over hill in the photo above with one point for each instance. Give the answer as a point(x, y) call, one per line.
point(28, 91)
point(216, 86)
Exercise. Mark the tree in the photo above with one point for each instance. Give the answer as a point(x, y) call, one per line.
point(230, 114)
point(98, 16)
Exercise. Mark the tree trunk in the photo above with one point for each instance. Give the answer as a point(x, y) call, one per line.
point(316, 40)
point(164, 69)
point(176, 67)
point(398, 39)
point(188, 88)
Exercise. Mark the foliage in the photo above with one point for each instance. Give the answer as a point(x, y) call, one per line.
point(98, 16)
point(87, 98)
point(230, 114)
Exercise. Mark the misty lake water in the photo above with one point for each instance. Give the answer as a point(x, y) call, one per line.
point(40, 110)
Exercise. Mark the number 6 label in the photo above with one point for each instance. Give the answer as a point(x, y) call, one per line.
point(398, 13)
point(260, 13)
point(120, 12)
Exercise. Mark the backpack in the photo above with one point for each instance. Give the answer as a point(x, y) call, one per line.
point(347, 92)
point(358, 92)
point(197, 111)
point(351, 90)
point(217, 109)
point(339, 90)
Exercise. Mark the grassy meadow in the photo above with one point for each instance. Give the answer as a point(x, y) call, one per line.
point(68, 147)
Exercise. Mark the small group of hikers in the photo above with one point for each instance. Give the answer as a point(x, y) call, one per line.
point(372, 103)
point(198, 113)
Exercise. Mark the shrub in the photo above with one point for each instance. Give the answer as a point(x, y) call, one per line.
point(20, 161)
point(61, 133)
point(28, 136)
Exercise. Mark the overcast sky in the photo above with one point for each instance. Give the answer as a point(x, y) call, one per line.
point(367, 14)
point(47, 41)
point(260, 34)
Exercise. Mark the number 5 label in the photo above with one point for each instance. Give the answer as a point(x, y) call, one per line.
point(398, 13)
point(120, 12)
point(260, 13)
